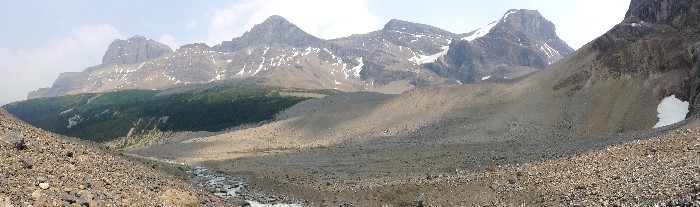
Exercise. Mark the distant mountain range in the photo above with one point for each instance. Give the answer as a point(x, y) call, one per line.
point(394, 59)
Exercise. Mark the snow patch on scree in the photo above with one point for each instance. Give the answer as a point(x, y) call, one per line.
point(671, 110)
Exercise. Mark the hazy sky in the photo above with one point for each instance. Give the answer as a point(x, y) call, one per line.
point(41, 39)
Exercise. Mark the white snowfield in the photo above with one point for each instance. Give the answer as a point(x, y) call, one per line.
point(671, 110)
point(423, 59)
point(486, 29)
point(481, 32)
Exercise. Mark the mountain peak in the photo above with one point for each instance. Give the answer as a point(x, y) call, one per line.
point(397, 24)
point(276, 18)
point(134, 50)
point(529, 22)
point(274, 30)
point(520, 12)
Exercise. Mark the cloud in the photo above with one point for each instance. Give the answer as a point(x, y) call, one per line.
point(192, 23)
point(169, 40)
point(321, 18)
point(27, 70)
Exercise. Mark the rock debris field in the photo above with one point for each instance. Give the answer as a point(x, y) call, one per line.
point(38, 168)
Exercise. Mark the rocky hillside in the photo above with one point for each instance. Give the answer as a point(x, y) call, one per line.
point(396, 58)
point(651, 55)
point(38, 168)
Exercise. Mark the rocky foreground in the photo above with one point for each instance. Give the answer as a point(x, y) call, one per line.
point(38, 168)
point(662, 170)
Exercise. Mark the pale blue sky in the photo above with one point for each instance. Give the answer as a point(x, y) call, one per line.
point(41, 39)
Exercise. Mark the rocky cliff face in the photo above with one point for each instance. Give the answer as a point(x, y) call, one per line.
point(678, 14)
point(657, 42)
point(522, 41)
point(133, 50)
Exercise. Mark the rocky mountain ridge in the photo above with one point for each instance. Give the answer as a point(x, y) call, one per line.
point(519, 43)
point(398, 57)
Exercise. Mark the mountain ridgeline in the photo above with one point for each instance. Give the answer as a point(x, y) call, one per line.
point(396, 58)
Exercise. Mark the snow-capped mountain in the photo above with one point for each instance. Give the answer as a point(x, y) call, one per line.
point(521, 42)
point(394, 59)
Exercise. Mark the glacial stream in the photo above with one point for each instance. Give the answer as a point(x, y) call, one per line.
point(227, 187)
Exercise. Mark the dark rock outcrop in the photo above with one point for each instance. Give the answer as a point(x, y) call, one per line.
point(676, 13)
point(133, 50)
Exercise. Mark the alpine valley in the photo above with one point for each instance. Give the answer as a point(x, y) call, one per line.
point(409, 115)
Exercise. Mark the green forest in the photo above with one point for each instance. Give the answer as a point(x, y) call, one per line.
point(102, 117)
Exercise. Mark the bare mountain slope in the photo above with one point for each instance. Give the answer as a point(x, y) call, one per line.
point(652, 54)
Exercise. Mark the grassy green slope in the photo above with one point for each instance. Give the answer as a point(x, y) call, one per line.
point(107, 116)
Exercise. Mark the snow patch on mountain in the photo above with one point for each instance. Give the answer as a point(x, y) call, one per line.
point(423, 59)
point(671, 110)
point(356, 70)
point(549, 51)
point(260, 67)
point(481, 32)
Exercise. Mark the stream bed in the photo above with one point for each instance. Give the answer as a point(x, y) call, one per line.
point(226, 186)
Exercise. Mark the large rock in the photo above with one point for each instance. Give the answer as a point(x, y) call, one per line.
point(14, 139)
